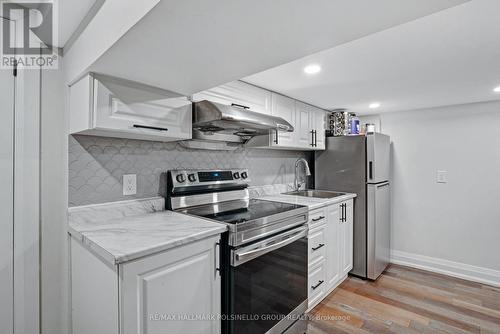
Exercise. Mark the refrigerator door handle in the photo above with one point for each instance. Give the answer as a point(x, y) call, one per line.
point(370, 170)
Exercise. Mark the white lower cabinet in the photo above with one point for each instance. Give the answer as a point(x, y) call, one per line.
point(332, 247)
point(330, 242)
point(176, 291)
point(346, 238)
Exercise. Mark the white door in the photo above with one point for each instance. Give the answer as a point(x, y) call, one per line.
point(303, 131)
point(346, 236)
point(160, 291)
point(126, 106)
point(332, 246)
point(318, 125)
point(284, 107)
point(6, 201)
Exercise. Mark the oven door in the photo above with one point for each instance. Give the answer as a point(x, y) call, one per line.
point(268, 283)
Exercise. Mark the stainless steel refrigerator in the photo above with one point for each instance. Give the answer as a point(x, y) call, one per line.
point(360, 164)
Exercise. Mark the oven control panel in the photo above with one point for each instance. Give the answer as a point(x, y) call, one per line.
point(193, 177)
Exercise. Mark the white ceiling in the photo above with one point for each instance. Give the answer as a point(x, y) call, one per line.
point(450, 57)
point(188, 46)
point(71, 13)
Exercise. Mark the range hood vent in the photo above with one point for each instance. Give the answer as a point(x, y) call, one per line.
point(215, 118)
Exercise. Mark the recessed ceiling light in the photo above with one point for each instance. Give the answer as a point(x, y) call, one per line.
point(312, 69)
point(374, 105)
point(497, 89)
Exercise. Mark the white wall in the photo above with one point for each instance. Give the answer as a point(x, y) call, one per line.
point(458, 221)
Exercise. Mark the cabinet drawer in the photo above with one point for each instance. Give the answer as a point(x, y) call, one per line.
point(317, 217)
point(316, 285)
point(316, 246)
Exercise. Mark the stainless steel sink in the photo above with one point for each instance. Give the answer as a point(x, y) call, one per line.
point(315, 193)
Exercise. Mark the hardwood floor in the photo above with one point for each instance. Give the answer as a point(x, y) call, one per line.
point(406, 300)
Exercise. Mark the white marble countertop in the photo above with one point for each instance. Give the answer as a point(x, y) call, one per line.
point(311, 202)
point(120, 238)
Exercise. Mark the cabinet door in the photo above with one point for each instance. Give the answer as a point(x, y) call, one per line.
point(284, 107)
point(158, 289)
point(255, 98)
point(332, 246)
point(318, 124)
point(303, 130)
point(346, 237)
point(128, 107)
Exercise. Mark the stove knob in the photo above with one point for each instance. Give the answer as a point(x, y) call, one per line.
point(236, 175)
point(180, 178)
point(244, 175)
point(192, 177)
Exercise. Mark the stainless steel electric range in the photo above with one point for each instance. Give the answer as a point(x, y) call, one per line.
point(263, 254)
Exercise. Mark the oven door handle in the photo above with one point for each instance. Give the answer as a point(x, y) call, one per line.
point(241, 256)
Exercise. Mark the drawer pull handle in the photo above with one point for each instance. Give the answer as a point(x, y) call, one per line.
point(318, 219)
point(314, 287)
point(318, 247)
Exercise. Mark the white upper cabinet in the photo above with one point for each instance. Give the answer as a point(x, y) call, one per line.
point(305, 137)
point(238, 93)
point(112, 107)
point(317, 123)
point(284, 107)
point(308, 121)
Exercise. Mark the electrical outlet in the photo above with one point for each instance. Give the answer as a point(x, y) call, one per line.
point(442, 176)
point(129, 184)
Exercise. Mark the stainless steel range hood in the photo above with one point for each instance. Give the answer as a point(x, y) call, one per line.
point(211, 117)
point(223, 127)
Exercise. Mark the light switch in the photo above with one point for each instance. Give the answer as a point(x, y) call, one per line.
point(129, 184)
point(442, 176)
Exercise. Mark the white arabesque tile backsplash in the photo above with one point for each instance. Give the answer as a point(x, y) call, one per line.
point(97, 164)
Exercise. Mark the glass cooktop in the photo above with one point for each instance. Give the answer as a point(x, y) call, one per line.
point(240, 211)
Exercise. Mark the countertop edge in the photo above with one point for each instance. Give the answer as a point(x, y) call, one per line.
point(316, 203)
point(91, 246)
point(172, 244)
point(101, 252)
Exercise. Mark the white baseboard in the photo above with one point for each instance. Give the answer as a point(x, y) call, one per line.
point(446, 267)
